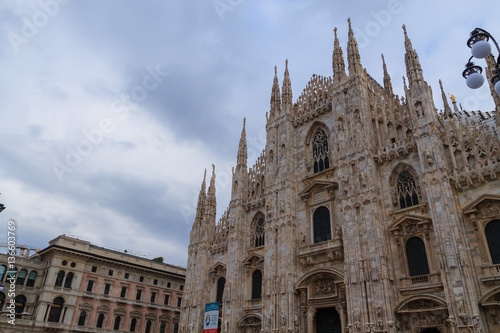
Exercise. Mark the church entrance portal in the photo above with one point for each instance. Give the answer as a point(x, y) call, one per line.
point(328, 321)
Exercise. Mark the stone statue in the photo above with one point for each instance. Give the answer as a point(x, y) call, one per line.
point(283, 319)
point(338, 232)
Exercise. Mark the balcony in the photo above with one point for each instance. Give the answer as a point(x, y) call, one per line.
point(490, 274)
point(421, 282)
point(253, 304)
point(328, 251)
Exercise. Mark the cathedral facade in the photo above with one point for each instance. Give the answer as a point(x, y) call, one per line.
point(366, 212)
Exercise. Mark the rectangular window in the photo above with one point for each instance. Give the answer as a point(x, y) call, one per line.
point(141, 278)
point(94, 269)
point(155, 282)
point(181, 287)
point(168, 284)
point(167, 299)
point(123, 292)
point(107, 286)
point(179, 300)
point(90, 285)
point(138, 295)
point(110, 273)
point(126, 276)
point(153, 297)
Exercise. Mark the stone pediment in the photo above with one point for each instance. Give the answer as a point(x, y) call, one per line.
point(409, 218)
point(421, 303)
point(218, 270)
point(254, 260)
point(318, 186)
point(410, 224)
point(484, 201)
point(492, 298)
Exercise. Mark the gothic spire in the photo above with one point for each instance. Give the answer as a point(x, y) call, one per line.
point(338, 64)
point(387, 78)
point(413, 68)
point(201, 199)
point(287, 96)
point(447, 109)
point(275, 94)
point(211, 201)
point(353, 57)
point(242, 148)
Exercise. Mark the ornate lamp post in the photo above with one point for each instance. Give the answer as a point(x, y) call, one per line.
point(481, 48)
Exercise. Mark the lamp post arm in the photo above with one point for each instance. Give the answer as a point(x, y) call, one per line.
point(484, 32)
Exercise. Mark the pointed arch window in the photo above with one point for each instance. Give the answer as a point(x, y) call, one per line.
point(133, 324)
point(407, 191)
point(163, 327)
point(258, 238)
point(59, 279)
point(100, 320)
point(492, 232)
point(69, 280)
point(417, 257)
point(321, 222)
point(149, 324)
point(176, 328)
point(257, 284)
point(82, 317)
point(221, 283)
point(31, 279)
point(116, 325)
point(320, 152)
point(21, 277)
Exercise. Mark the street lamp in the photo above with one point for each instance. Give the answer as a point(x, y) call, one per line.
point(481, 48)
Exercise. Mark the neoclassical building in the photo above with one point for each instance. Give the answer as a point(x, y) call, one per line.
point(366, 212)
point(75, 286)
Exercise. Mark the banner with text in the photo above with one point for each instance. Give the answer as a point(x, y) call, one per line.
point(211, 318)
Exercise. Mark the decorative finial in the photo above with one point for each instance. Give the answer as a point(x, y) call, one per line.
point(404, 28)
point(335, 32)
point(213, 168)
point(244, 122)
point(286, 64)
point(349, 21)
point(275, 70)
point(383, 60)
point(453, 99)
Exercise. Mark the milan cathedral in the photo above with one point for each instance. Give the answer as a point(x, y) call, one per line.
point(366, 212)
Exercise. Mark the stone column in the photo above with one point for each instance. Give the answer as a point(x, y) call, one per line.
point(310, 319)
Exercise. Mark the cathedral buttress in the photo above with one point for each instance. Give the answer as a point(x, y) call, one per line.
point(449, 234)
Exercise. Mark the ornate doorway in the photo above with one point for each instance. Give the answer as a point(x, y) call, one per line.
point(322, 302)
point(427, 314)
point(328, 321)
point(250, 324)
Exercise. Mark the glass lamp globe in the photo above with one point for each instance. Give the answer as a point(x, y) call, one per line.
point(497, 87)
point(474, 81)
point(481, 49)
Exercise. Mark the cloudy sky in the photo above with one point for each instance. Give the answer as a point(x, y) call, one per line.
point(111, 110)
